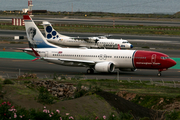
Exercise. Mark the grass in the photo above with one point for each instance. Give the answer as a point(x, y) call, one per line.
point(152, 30)
point(59, 14)
point(23, 90)
point(108, 29)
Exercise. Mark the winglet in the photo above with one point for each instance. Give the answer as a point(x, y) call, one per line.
point(119, 48)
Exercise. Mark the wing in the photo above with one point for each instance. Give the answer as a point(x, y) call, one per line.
point(25, 49)
point(72, 61)
point(82, 62)
point(104, 37)
point(81, 38)
point(69, 60)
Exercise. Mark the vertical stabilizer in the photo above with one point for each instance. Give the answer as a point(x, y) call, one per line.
point(34, 35)
point(50, 32)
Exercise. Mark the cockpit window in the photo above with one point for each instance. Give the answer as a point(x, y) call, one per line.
point(164, 58)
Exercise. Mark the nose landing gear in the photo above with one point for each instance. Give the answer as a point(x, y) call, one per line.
point(160, 70)
point(159, 74)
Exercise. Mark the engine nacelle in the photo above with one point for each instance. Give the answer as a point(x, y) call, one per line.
point(104, 67)
point(129, 70)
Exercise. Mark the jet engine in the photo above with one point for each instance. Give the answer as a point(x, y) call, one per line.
point(128, 70)
point(104, 67)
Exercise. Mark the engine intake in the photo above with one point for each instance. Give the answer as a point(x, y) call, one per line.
point(104, 67)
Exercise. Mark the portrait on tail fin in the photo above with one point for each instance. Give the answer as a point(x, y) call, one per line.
point(31, 33)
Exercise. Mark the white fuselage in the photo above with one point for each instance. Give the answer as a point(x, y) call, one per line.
point(101, 43)
point(120, 58)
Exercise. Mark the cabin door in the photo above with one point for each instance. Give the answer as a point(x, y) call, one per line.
point(153, 60)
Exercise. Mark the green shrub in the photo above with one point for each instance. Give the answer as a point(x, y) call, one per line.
point(9, 111)
point(97, 89)
point(79, 92)
point(45, 97)
point(125, 116)
point(40, 115)
point(8, 81)
point(4, 110)
point(146, 101)
point(0, 87)
point(174, 115)
point(113, 117)
point(145, 118)
point(27, 82)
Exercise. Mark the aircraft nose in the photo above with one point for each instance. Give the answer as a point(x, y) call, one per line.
point(131, 46)
point(172, 63)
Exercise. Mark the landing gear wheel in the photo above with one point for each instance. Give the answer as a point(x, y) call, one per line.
point(159, 74)
point(90, 71)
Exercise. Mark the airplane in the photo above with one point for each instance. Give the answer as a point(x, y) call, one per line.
point(99, 60)
point(91, 42)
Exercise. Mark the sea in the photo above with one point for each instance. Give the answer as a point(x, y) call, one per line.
point(112, 6)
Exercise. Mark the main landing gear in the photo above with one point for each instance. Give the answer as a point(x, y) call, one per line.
point(90, 71)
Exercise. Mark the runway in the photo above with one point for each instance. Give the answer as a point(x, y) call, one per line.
point(11, 68)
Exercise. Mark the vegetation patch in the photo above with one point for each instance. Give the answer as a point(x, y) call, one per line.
point(44, 96)
point(8, 81)
point(108, 29)
point(152, 102)
point(142, 93)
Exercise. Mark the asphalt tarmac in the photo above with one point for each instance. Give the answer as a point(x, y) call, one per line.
point(11, 68)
